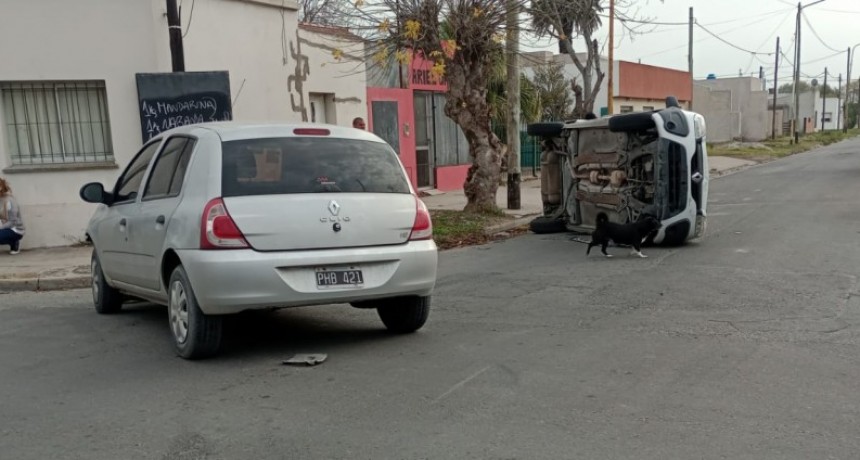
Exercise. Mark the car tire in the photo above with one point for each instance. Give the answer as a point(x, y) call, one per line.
point(676, 234)
point(106, 299)
point(405, 314)
point(546, 129)
point(545, 225)
point(632, 122)
point(196, 335)
point(673, 241)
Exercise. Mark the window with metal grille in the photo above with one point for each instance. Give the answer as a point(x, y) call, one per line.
point(56, 122)
point(626, 108)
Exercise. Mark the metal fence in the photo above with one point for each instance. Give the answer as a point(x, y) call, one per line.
point(56, 122)
point(529, 149)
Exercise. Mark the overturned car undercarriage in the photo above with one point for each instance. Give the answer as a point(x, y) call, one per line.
point(625, 166)
point(612, 173)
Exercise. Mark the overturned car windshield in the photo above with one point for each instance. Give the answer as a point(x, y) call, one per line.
point(286, 165)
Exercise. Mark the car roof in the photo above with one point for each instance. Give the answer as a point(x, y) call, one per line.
point(238, 130)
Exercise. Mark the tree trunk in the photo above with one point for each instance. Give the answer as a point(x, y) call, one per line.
point(467, 106)
point(587, 93)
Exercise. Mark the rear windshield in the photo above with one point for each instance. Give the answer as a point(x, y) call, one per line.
point(309, 165)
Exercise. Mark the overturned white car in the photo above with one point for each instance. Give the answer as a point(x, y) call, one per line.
point(625, 166)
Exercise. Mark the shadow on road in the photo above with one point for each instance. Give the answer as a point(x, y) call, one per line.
point(318, 329)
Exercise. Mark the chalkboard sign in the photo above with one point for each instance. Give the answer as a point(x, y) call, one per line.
point(169, 100)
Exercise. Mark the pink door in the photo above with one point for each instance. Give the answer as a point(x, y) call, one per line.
point(391, 117)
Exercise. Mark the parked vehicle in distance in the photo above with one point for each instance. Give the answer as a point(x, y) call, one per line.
point(627, 165)
point(214, 219)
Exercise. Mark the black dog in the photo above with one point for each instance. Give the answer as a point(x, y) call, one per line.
point(632, 234)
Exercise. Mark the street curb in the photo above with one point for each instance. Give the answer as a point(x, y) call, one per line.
point(505, 226)
point(730, 171)
point(44, 284)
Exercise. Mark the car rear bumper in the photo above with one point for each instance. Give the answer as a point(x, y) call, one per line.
point(230, 281)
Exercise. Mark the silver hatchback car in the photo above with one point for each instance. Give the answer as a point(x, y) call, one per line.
point(214, 219)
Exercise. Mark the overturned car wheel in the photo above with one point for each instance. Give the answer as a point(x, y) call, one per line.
point(547, 129)
point(543, 225)
point(632, 122)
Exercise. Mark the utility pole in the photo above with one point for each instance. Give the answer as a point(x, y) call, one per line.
point(847, 93)
point(797, 75)
point(610, 84)
point(690, 57)
point(839, 105)
point(512, 48)
point(824, 98)
point(797, 70)
point(174, 28)
point(775, 89)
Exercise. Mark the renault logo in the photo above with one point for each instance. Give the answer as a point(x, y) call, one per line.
point(333, 208)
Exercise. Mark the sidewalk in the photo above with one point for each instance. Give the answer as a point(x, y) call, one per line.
point(45, 269)
point(69, 267)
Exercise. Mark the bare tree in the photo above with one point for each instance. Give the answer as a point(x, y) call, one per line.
point(565, 20)
point(326, 12)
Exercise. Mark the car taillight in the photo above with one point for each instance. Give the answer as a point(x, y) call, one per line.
point(311, 132)
point(422, 228)
point(218, 230)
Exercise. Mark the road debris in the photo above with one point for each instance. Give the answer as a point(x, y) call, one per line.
point(303, 359)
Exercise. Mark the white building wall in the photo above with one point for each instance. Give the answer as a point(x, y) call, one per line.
point(106, 40)
point(833, 108)
point(343, 81)
point(747, 104)
point(811, 106)
point(131, 38)
point(245, 38)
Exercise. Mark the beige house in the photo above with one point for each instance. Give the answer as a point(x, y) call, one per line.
point(69, 107)
point(735, 108)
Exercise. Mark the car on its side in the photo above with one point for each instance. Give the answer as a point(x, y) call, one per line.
point(626, 166)
point(218, 218)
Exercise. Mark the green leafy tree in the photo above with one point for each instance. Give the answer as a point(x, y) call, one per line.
point(554, 91)
point(802, 87)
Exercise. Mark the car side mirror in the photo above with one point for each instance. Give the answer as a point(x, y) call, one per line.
point(94, 192)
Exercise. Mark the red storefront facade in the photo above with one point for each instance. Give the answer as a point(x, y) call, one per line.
point(412, 120)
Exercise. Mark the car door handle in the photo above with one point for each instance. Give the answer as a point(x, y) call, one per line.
point(159, 220)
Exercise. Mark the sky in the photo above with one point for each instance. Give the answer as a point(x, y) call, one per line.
point(752, 25)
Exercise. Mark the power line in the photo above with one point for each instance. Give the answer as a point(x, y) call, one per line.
point(742, 26)
point(817, 36)
point(823, 58)
point(786, 58)
point(729, 21)
point(730, 43)
point(837, 11)
point(190, 17)
point(775, 30)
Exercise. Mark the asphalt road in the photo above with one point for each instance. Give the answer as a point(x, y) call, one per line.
point(742, 346)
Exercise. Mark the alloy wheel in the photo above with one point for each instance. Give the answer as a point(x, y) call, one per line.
point(178, 311)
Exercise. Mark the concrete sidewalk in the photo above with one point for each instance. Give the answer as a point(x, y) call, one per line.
point(69, 267)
